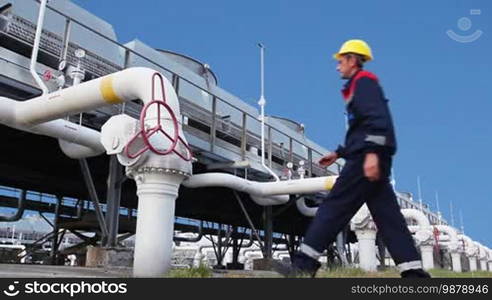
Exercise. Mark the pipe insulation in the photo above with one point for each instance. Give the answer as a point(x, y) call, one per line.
point(261, 189)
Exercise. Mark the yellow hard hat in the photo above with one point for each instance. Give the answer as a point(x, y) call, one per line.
point(355, 46)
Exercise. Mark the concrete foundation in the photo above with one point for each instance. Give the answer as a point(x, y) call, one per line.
point(264, 264)
point(109, 257)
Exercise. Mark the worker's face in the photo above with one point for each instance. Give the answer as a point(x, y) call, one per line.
point(347, 65)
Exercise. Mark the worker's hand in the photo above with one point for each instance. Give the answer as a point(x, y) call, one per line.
point(371, 167)
point(328, 159)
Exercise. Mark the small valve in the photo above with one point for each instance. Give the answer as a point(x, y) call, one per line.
point(301, 170)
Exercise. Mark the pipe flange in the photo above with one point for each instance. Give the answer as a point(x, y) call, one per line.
point(362, 220)
point(159, 170)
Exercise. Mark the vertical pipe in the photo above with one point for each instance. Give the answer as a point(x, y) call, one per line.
point(270, 146)
point(156, 193)
point(66, 39)
point(367, 249)
point(243, 137)
point(291, 154)
point(420, 194)
point(213, 126)
point(340, 244)
point(310, 160)
point(35, 48)
point(473, 263)
point(262, 103)
point(456, 261)
point(483, 265)
point(427, 252)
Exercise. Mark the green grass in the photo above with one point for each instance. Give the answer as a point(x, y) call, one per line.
point(393, 273)
point(200, 272)
point(356, 273)
point(206, 272)
point(450, 274)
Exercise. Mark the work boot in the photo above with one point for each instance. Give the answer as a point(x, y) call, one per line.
point(415, 273)
point(302, 266)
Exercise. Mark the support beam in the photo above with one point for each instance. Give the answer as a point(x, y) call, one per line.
point(115, 180)
point(54, 240)
point(268, 231)
point(84, 166)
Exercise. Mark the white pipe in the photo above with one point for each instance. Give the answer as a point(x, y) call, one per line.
point(367, 249)
point(470, 247)
point(73, 259)
point(249, 259)
point(427, 253)
point(262, 189)
point(270, 200)
point(423, 235)
point(33, 115)
point(12, 246)
point(262, 103)
point(490, 260)
point(482, 253)
point(35, 49)
point(177, 250)
point(453, 235)
point(456, 261)
point(244, 252)
point(60, 129)
point(365, 230)
point(483, 265)
point(197, 259)
point(304, 209)
point(473, 263)
point(155, 223)
point(119, 87)
point(282, 256)
point(417, 216)
point(453, 246)
point(471, 251)
point(77, 151)
point(482, 256)
point(279, 253)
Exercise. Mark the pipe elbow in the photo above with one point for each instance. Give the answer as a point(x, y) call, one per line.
point(76, 151)
point(304, 209)
point(270, 200)
point(417, 216)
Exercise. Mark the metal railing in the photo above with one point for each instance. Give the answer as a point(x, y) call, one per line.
point(215, 99)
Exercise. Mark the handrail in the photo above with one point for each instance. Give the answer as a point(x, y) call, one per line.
point(128, 50)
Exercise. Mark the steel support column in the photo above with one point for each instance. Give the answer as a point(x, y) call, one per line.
point(268, 231)
point(115, 180)
point(54, 240)
point(84, 166)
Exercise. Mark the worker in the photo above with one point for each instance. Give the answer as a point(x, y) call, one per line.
point(369, 146)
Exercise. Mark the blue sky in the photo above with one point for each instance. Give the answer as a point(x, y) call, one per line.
point(440, 89)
